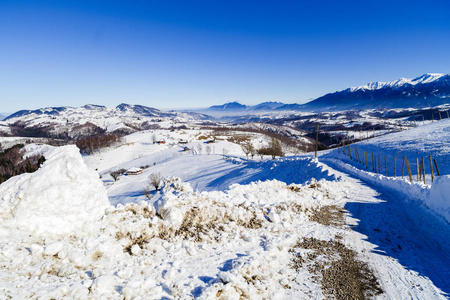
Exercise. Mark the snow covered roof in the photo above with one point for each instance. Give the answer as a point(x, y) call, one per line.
point(134, 170)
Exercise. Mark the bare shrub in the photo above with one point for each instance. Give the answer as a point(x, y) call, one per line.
point(155, 180)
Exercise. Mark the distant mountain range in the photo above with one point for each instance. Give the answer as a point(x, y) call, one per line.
point(424, 91)
point(237, 107)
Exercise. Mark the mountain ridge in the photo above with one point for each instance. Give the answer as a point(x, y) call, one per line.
point(431, 89)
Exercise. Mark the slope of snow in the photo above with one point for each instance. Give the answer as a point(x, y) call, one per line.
point(136, 253)
point(420, 142)
point(226, 229)
point(417, 143)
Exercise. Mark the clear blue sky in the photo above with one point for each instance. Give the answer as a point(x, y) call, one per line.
point(178, 54)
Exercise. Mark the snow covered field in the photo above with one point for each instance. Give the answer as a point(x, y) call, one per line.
point(290, 228)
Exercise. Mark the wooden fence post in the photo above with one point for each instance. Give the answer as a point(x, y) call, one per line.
point(417, 163)
point(447, 115)
point(437, 169)
point(409, 170)
point(440, 117)
point(431, 168)
point(379, 165)
point(423, 170)
point(423, 120)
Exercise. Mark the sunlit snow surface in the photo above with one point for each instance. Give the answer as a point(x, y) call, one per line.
point(131, 252)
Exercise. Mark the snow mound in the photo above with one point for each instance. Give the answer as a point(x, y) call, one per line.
point(172, 190)
point(439, 196)
point(62, 197)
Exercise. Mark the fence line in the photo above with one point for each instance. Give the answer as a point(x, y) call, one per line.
point(353, 153)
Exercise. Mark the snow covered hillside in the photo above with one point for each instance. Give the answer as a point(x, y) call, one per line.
point(75, 122)
point(218, 227)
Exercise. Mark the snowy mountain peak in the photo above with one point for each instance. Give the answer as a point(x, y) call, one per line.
point(426, 78)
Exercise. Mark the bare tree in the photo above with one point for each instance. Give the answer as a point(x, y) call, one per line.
point(115, 174)
point(275, 148)
point(155, 180)
point(247, 148)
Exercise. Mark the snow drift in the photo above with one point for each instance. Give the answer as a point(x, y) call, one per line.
point(439, 199)
point(62, 197)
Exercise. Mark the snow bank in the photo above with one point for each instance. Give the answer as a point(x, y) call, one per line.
point(435, 196)
point(62, 197)
point(439, 199)
point(420, 142)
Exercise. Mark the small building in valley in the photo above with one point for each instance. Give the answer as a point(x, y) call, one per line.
point(134, 171)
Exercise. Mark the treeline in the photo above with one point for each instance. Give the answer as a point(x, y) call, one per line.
point(94, 143)
point(12, 162)
point(18, 129)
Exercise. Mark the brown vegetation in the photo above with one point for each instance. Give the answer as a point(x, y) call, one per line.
point(93, 143)
point(12, 162)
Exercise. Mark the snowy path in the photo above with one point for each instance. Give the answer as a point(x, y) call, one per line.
point(403, 230)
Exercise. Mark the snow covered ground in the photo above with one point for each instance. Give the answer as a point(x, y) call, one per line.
point(417, 143)
point(430, 139)
point(218, 228)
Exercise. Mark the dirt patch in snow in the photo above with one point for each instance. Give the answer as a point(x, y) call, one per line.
point(336, 266)
point(330, 215)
